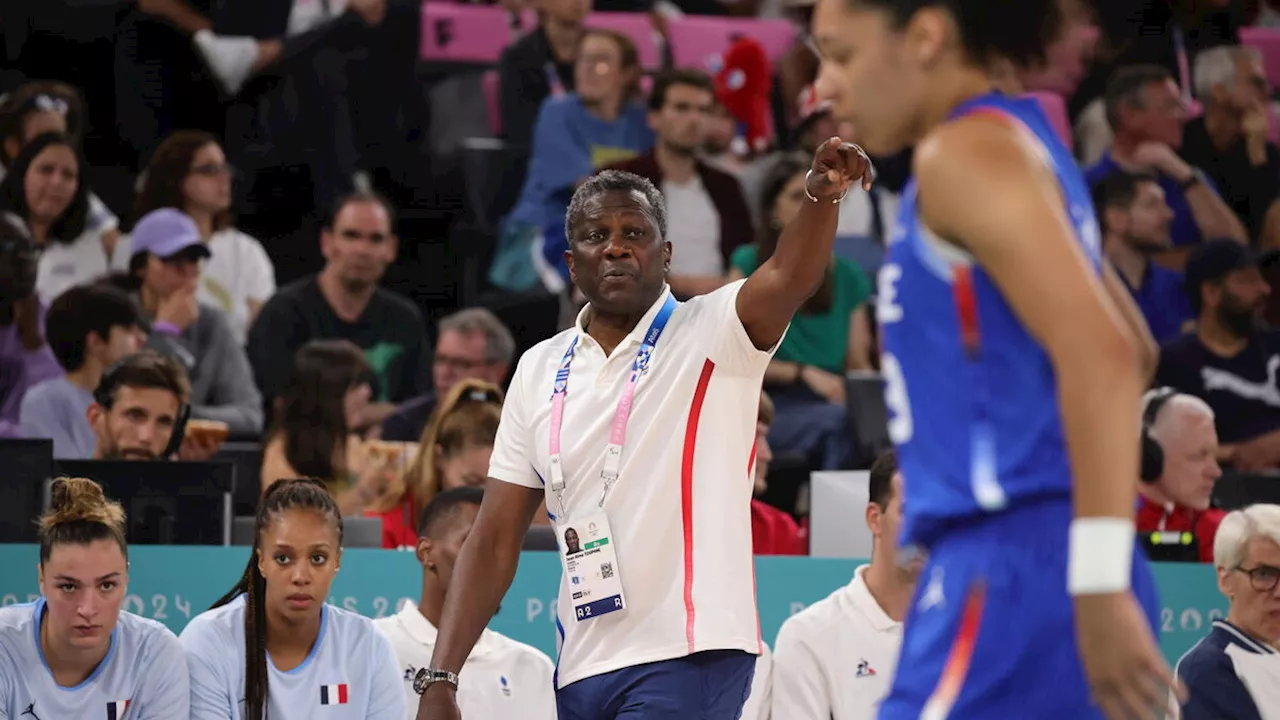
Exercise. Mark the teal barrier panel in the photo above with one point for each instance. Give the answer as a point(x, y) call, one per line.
point(172, 584)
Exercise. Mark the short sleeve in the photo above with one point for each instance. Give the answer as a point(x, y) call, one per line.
point(513, 453)
point(730, 347)
point(743, 259)
point(210, 685)
point(386, 692)
point(167, 693)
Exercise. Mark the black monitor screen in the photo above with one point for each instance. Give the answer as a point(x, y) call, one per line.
point(167, 503)
point(26, 466)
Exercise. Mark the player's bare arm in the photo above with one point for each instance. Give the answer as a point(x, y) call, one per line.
point(486, 566)
point(777, 289)
point(984, 187)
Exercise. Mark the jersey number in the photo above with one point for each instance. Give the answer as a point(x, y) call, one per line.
point(896, 402)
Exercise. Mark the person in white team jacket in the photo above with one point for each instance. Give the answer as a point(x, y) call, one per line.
point(502, 679)
point(74, 654)
point(634, 428)
point(272, 647)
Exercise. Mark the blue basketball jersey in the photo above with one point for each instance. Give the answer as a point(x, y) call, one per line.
point(971, 395)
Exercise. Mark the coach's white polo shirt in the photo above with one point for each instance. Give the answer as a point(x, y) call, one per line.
point(680, 510)
point(501, 680)
point(834, 660)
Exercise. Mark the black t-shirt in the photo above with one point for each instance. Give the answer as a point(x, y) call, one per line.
point(1248, 189)
point(1241, 390)
point(390, 331)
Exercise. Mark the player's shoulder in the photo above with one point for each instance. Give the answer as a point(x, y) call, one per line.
point(354, 630)
point(17, 624)
point(147, 632)
point(215, 626)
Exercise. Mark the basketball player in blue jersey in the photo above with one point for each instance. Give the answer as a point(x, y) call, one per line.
point(73, 653)
point(1012, 363)
point(272, 647)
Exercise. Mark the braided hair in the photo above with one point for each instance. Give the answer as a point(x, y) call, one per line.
point(282, 495)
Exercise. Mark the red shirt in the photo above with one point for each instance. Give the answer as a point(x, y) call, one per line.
point(398, 527)
point(774, 532)
point(1154, 517)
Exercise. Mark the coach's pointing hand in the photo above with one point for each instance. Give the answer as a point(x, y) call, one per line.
point(1127, 675)
point(836, 166)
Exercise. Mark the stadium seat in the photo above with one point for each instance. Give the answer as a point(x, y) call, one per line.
point(464, 33)
point(1055, 107)
point(491, 87)
point(1267, 40)
point(636, 26)
point(699, 41)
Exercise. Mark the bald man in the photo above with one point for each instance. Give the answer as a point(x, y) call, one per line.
point(1178, 478)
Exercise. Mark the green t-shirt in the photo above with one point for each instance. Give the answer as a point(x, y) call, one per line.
point(818, 340)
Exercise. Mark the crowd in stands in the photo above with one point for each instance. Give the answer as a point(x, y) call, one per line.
point(256, 224)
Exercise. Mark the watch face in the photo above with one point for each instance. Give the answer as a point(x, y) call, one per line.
point(420, 681)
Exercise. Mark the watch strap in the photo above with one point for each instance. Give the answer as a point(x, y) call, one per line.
point(427, 677)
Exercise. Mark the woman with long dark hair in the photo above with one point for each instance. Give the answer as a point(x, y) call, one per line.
point(829, 336)
point(45, 195)
point(189, 172)
point(272, 647)
point(315, 433)
point(73, 653)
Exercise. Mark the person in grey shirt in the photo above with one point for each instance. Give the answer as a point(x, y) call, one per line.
point(89, 329)
point(164, 272)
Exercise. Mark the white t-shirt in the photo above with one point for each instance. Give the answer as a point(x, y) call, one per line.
point(501, 680)
point(835, 659)
point(310, 14)
point(238, 271)
point(144, 673)
point(680, 510)
point(62, 266)
point(351, 674)
point(693, 228)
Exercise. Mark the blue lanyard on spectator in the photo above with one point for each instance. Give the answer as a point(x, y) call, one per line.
point(553, 79)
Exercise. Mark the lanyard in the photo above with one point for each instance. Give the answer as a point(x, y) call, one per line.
point(1184, 63)
point(553, 79)
point(621, 414)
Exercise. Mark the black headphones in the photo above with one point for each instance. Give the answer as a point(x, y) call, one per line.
point(1152, 453)
point(104, 395)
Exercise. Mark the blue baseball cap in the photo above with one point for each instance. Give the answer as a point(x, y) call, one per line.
point(167, 232)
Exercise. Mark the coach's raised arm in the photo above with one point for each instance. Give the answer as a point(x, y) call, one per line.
point(777, 289)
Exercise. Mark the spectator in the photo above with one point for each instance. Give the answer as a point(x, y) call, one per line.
point(136, 408)
point(539, 65)
point(41, 107)
point(1135, 219)
point(601, 122)
point(1179, 470)
point(344, 302)
point(89, 329)
point(43, 195)
point(502, 679)
point(835, 659)
point(709, 217)
point(1230, 139)
point(453, 452)
point(190, 173)
point(1231, 672)
point(1147, 112)
point(1230, 361)
point(25, 358)
point(828, 336)
point(472, 344)
point(773, 531)
point(315, 434)
point(164, 274)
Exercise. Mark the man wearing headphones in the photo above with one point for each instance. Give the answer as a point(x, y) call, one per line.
point(1179, 470)
point(139, 408)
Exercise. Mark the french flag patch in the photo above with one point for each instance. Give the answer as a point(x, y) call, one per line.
point(333, 694)
point(115, 710)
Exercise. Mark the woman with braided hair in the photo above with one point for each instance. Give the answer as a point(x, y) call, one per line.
point(272, 647)
point(74, 653)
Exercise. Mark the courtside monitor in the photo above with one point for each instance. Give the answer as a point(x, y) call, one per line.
point(26, 467)
point(167, 503)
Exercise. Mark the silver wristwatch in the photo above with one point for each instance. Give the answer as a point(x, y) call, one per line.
point(427, 676)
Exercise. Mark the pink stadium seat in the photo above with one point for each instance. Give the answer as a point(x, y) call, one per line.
point(463, 33)
point(1055, 107)
point(698, 41)
point(1267, 40)
point(636, 26)
point(490, 87)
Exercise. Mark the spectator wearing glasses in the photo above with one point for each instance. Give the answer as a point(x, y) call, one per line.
point(89, 329)
point(473, 344)
point(1232, 672)
point(189, 172)
point(25, 358)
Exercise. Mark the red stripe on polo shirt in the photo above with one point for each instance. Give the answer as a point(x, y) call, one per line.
point(686, 492)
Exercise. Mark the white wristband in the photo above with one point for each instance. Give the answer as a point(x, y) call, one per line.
point(1100, 555)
